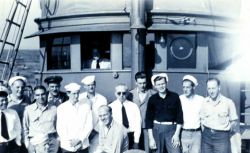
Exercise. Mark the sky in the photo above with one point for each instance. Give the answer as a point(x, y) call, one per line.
point(31, 26)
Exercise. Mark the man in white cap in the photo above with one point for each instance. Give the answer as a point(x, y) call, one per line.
point(74, 122)
point(39, 124)
point(10, 134)
point(18, 100)
point(95, 100)
point(191, 105)
point(164, 117)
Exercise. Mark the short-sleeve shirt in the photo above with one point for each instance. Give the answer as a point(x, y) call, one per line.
point(218, 114)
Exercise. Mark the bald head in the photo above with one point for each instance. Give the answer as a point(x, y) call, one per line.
point(105, 114)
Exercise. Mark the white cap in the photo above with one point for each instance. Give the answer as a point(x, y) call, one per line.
point(164, 75)
point(72, 87)
point(88, 79)
point(4, 89)
point(191, 78)
point(13, 79)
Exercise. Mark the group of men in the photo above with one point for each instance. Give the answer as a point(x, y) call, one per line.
point(156, 120)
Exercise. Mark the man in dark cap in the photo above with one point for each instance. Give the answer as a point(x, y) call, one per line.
point(54, 95)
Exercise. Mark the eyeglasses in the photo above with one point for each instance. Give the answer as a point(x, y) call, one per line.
point(121, 93)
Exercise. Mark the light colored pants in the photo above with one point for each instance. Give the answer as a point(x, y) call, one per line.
point(191, 141)
point(50, 146)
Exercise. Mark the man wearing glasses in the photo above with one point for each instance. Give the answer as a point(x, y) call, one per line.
point(128, 114)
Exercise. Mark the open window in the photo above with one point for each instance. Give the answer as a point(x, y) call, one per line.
point(95, 50)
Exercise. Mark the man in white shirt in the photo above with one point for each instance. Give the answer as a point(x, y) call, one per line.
point(10, 126)
point(39, 124)
point(219, 118)
point(191, 105)
point(127, 113)
point(18, 100)
point(97, 62)
point(74, 122)
point(95, 100)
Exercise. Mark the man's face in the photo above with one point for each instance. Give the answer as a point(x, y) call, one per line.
point(90, 88)
point(73, 96)
point(40, 96)
point(105, 117)
point(54, 88)
point(121, 93)
point(17, 88)
point(141, 84)
point(213, 89)
point(3, 102)
point(188, 89)
point(161, 85)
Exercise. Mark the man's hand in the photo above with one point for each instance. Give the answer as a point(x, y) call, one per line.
point(135, 146)
point(152, 144)
point(75, 142)
point(175, 141)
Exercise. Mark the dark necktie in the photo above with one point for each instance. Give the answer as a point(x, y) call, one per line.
point(98, 64)
point(4, 128)
point(124, 117)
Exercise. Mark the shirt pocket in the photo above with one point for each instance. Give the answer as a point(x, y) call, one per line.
point(223, 117)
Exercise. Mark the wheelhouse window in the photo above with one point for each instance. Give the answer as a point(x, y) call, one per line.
point(58, 52)
point(95, 51)
point(221, 51)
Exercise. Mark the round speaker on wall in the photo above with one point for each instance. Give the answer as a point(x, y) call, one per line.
point(181, 48)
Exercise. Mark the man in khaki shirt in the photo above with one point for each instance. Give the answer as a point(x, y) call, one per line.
point(218, 118)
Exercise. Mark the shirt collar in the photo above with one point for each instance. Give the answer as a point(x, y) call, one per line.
point(35, 107)
point(217, 101)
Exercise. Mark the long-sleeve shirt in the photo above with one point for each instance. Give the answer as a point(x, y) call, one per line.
point(95, 102)
point(141, 101)
point(166, 109)
point(38, 123)
point(13, 126)
point(112, 139)
point(133, 114)
point(74, 122)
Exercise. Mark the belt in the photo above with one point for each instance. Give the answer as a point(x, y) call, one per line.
point(213, 130)
point(164, 123)
point(192, 130)
point(7, 143)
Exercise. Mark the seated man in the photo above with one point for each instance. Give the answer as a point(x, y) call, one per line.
point(97, 62)
point(112, 136)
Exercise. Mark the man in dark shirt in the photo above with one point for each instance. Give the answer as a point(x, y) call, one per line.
point(164, 117)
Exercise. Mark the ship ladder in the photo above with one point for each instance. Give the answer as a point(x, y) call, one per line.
point(11, 37)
